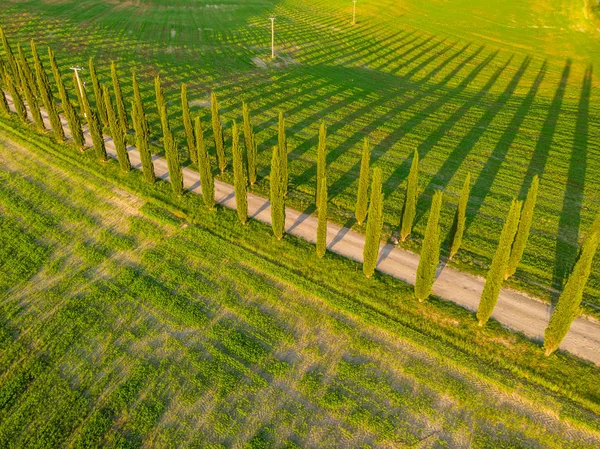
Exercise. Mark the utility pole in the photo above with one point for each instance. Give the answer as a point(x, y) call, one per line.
point(272, 19)
point(76, 69)
point(354, 13)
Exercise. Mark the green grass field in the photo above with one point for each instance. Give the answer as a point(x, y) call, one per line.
point(124, 325)
point(503, 90)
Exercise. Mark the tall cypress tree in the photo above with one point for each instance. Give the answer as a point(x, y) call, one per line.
point(16, 97)
point(116, 132)
point(26, 73)
point(161, 107)
point(46, 93)
point(250, 145)
point(10, 57)
point(175, 173)
point(520, 242)
point(239, 176)
point(322, 214)
point(97, 137)
point(121, 111)
point(34, 108)
point(430, 252)
point(495, 276)
point(187, 124)
point(321, 156)
point(277, 195)
point(206, 177)
point(98, 93)
point(410, 201)
point(283, 157)
point(218, 133)
point(374, 226)
point(360, 210)
point(3, 102)
point(569, 302)
point(140, 127)
point(460, 218)
point(72, 118)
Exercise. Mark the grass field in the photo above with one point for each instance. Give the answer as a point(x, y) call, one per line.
point(123, 325)
point(503, 90)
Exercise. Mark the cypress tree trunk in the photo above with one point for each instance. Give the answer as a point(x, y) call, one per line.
point(16, 97)
point(430, 252)
point(47, 97)
point(360, 210)
point(218, 133)
point(239, 176)
point(97, 138)
point(10, 57)
point(520, 242)
point(410, 201)
point(283, 157)
point(187, 124)
point(121, 111)
point(568, 306)
point(322, 214)
point(140, 126)
point(495, 276)
point(374, 226)
point(175, 173)
point(206, 177)
point(98, 94)
point(34, 108)
point(461, 217)
point(71, 116)
point(25, 72)
point(277, 195)
point(250, 145)
point(116, 132)
point(321, 157)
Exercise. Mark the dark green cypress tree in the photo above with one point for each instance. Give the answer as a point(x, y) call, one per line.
point(16, 97)
point(45, 91)
point(161, 107)
point(569, 302)
point(187, 124)
point(277, 195)
point(430, 252)
point(175, 173)
point(239, 175)
point(25, 72)
point(321, 157)
point(460, 218)
point(34, 108)
point(97, 137)
point(116, 132)
point(322, 214)
point(72, 118)
point(250, 145)
point(140, 127)
point(410, 201)
point(10, 57)
point(362, 199)
point(495, 276)
point(518, 247)
point(98, 94)
point(374, 226)
point(204, 169)
point(283, 157)
point(3, 102)
point(218, 133)
point(121, 111)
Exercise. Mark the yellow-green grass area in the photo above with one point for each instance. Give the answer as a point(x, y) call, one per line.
point(131, 318)
point(503, 90)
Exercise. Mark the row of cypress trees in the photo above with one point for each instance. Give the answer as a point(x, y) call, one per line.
point(21, 81)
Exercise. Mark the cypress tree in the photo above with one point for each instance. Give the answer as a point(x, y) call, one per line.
point(16, 97)
point(26, 72)
point(218, 133)
point(410, 201)
point(97, 137)
point(72, 118)
point(430, 252)
point(239, 176)
point(10, 57)
point(321, 157)
point(3, 102)
point(121, 111)
point(187, 124)
point(175, 173)
point(520, 242)
point(360, 210)
point(277, 195)
point(495, 276)
point(568, 306)
point(283, 157)
point(45, 91)
point(98, 93)
point(250, 145)
point(322, 214)
point(206, 177)
point(34, 108)
point(116, 132)
point(161, 106)
point(461, 217)
point(374, 226)
point(140, 127)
